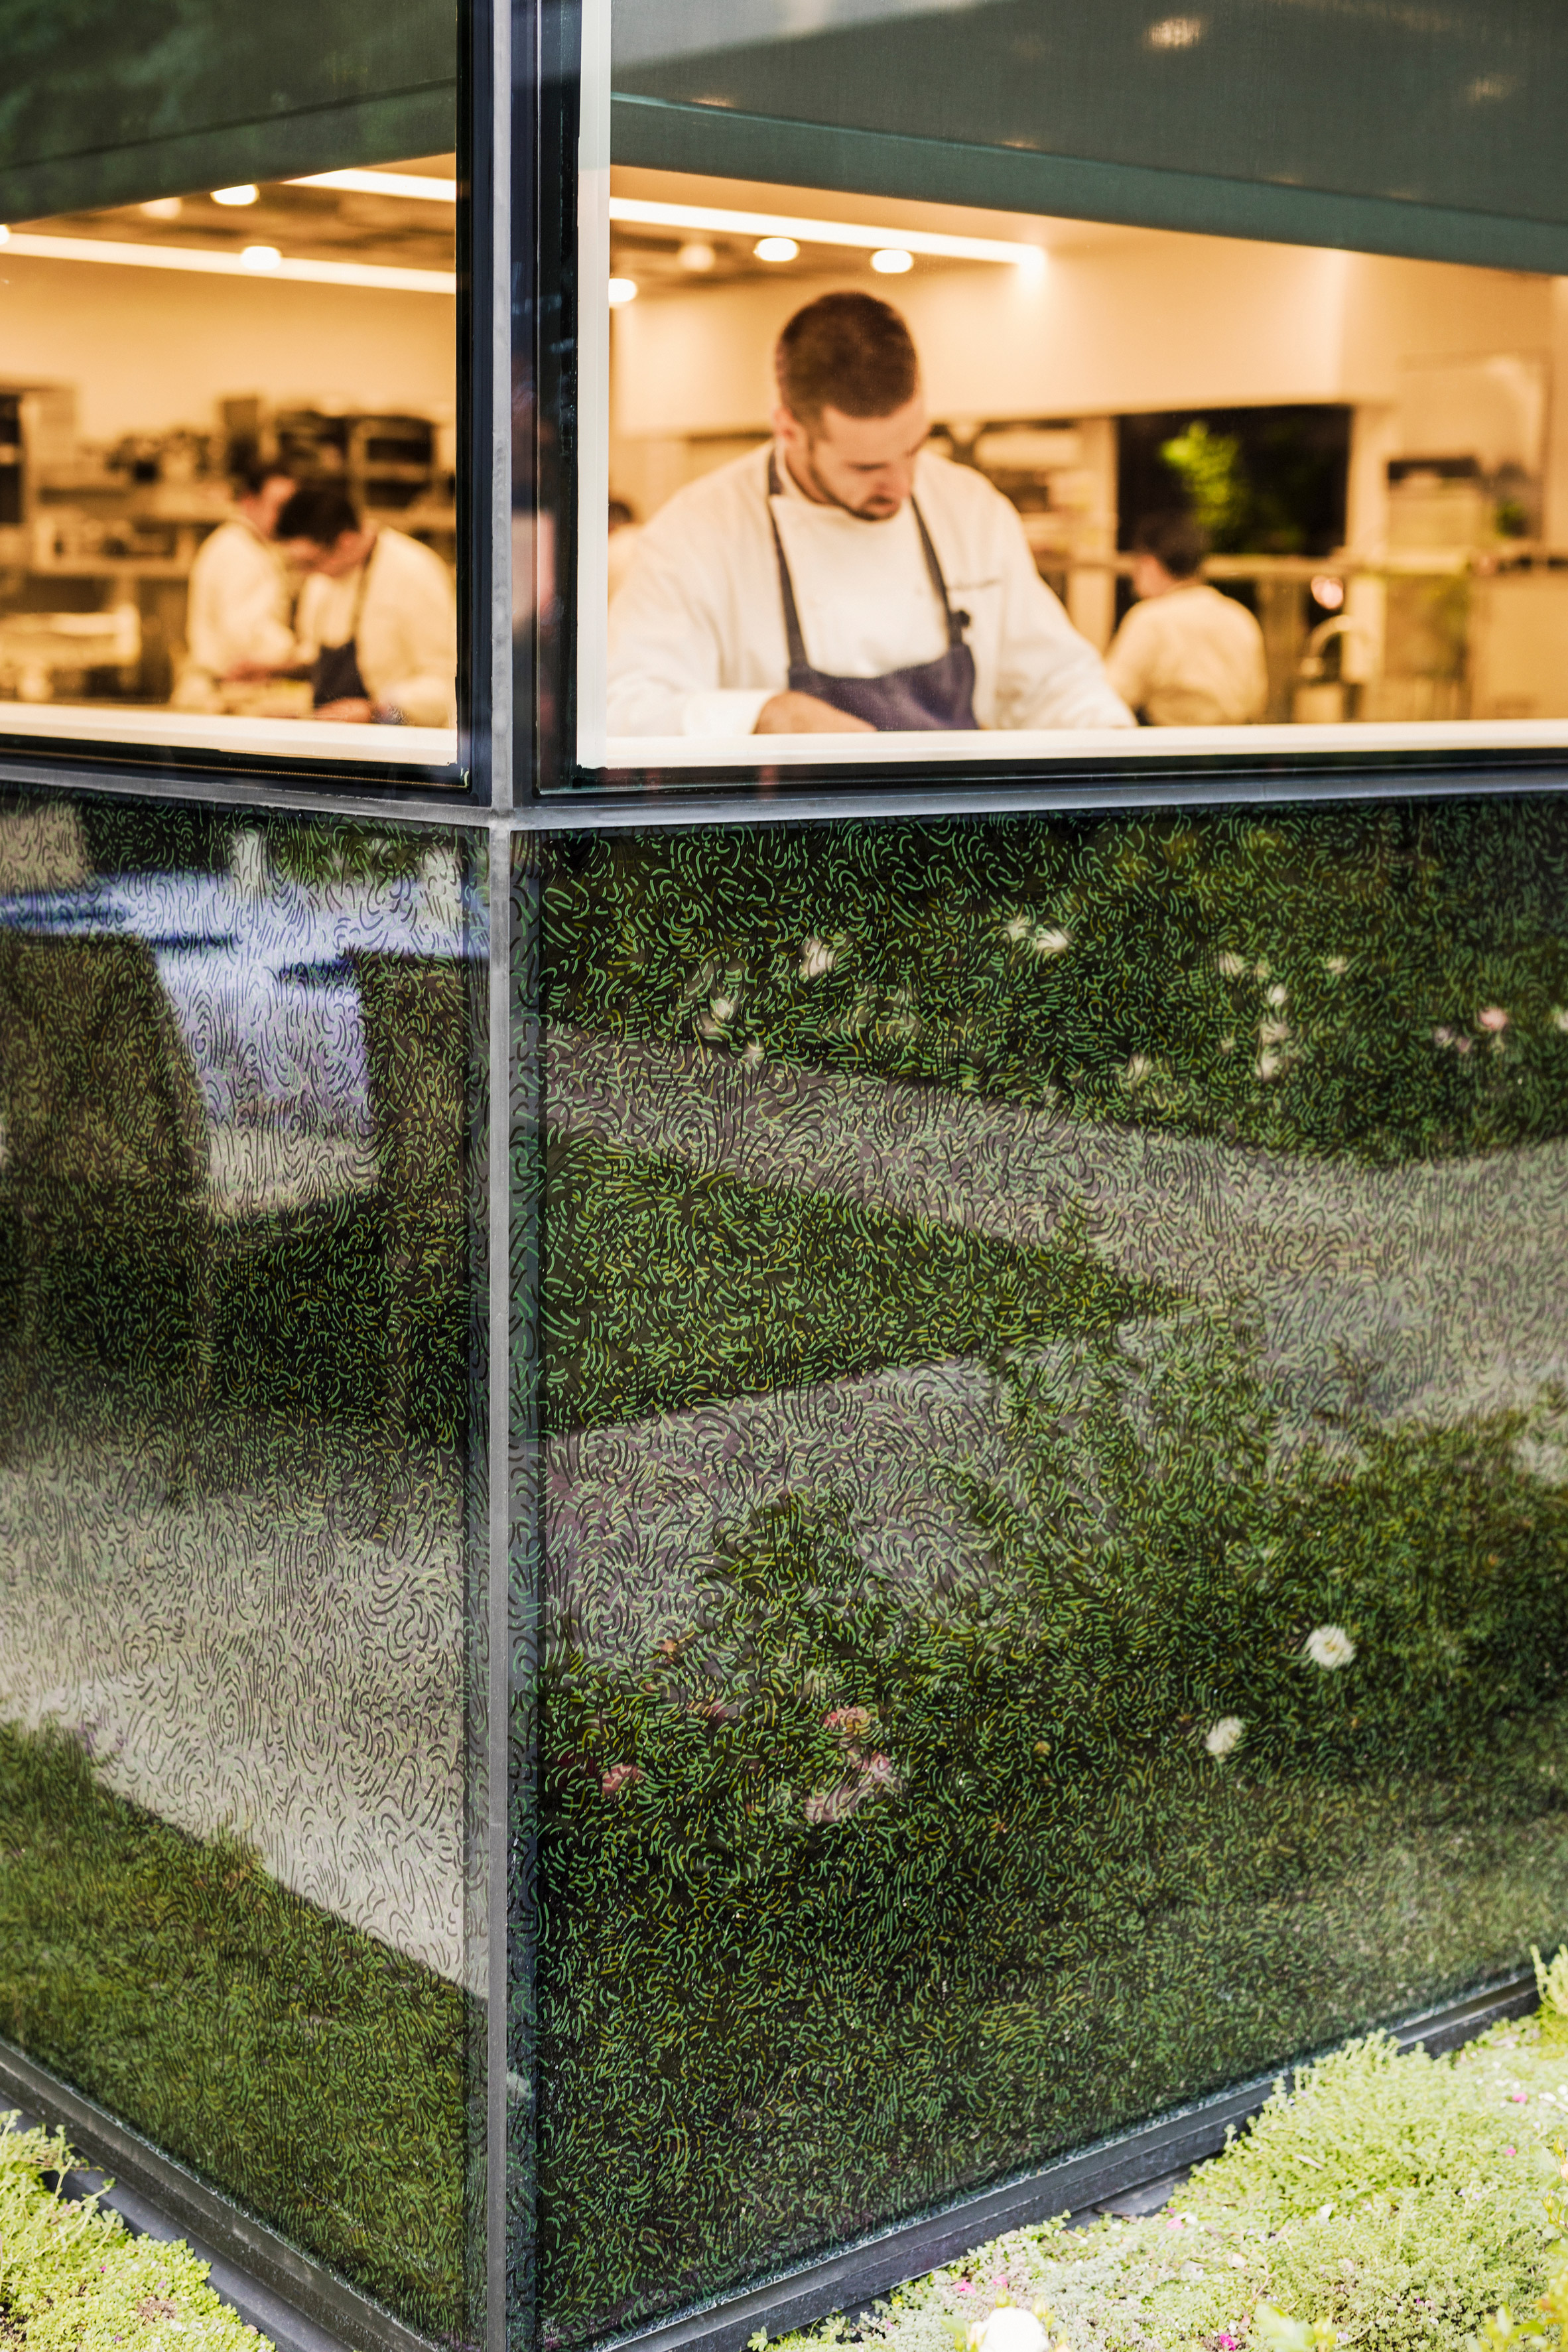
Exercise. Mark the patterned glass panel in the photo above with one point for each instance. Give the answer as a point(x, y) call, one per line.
point(1057, 1564)
point(236, 1097)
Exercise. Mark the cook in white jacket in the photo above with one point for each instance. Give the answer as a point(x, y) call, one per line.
point(377, 620)
point(845, 579)
point(237, 620)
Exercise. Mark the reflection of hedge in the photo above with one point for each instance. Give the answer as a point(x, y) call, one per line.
point(857, 1893)
point(724, 1289)
point(1179, 968)
point(306, 2068)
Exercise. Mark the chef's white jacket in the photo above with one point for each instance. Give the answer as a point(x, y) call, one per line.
point(1192, 657)
point(407, 630)
point(697, 632)
point(239, 600)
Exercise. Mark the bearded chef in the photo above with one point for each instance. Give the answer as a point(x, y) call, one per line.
point(845, 579)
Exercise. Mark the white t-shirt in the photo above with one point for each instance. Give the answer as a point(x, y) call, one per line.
point(1191, 657)
point(407, 632)
point(239, 599)
point(697, 631)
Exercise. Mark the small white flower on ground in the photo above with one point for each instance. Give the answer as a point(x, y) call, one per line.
point(1017, 930)
point(1046, 942)
point(1137, 1070)
point(1232, 966)
point(1222, 1735)
point(1011, 2330)
point(1228, 1044)
point(1268, 1065)
point(1442, 1036)
point(1558, 1014)
point(816, 957)
point(1277, 994)
point(1336, 964)
point(1329, 1646)
point(1273, 1033)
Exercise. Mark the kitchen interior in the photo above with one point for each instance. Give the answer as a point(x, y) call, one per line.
point(1375, 444)
point(142, 348)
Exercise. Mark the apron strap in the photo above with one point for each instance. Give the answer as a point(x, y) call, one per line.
point(956, 622)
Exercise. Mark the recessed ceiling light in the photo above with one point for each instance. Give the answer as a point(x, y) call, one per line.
point(776, 248)
point(622, 290)
point(161, 208)
point(892, 261)
point(1175, 33)
point(247, 194)
point(697, 256)
point(260, 256)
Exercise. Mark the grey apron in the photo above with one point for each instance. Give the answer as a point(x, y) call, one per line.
point(935, 696)
point(335, 672)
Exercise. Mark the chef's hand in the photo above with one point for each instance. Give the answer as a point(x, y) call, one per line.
point(806, 714)
point(355, 709)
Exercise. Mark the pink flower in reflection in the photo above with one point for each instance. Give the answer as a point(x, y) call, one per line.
point(1493, 1017)
point(619, 1778)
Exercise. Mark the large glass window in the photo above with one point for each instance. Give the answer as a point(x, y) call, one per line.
point(229, 393)
point(238, 1085)
point(956, 386)
point(1054, 1547)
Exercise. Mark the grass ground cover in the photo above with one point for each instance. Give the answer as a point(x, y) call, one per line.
point(74, 2279)
point(1384, 2201)
point(723, 1288)
point(312, 2072)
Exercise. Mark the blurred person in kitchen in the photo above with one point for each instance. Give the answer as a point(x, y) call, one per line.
point(844, 579)
point(625, 533)
point(1185, 655)
point(238, 630)
point(377, 618)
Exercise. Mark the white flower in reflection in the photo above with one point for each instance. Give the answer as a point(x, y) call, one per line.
point(1138, 1068)
point(1279, 994)
point(1336, 964)
point(1268, 1064)
point(1330, 1646)
point(1559, 1015)
point(817, 957)
point(1227, 1044)
point(1224, 1736)
point(1231, 965)
point(1260, 969)
point(1273, 1033)
point(722, 1008)
point(1016, 929)
point(752, 1056)
point(1046, 942)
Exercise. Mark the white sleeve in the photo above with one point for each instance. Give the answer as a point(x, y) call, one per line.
point(1129, 665)
point(1047, 675)
point(239, 605)
point(426, 644)
point(667, 647)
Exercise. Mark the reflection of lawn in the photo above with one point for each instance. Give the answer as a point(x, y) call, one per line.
point(311, 2072)
point(1311, 1913)
point(665, 1288)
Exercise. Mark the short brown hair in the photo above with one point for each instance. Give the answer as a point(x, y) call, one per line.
point(847, 352)
point(1176, 539)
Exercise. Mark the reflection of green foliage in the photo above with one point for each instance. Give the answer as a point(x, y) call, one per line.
point(1128, 967)
point(723, 1288)
point(311, 2070)
point(1210, 469)
point(858, 1889)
